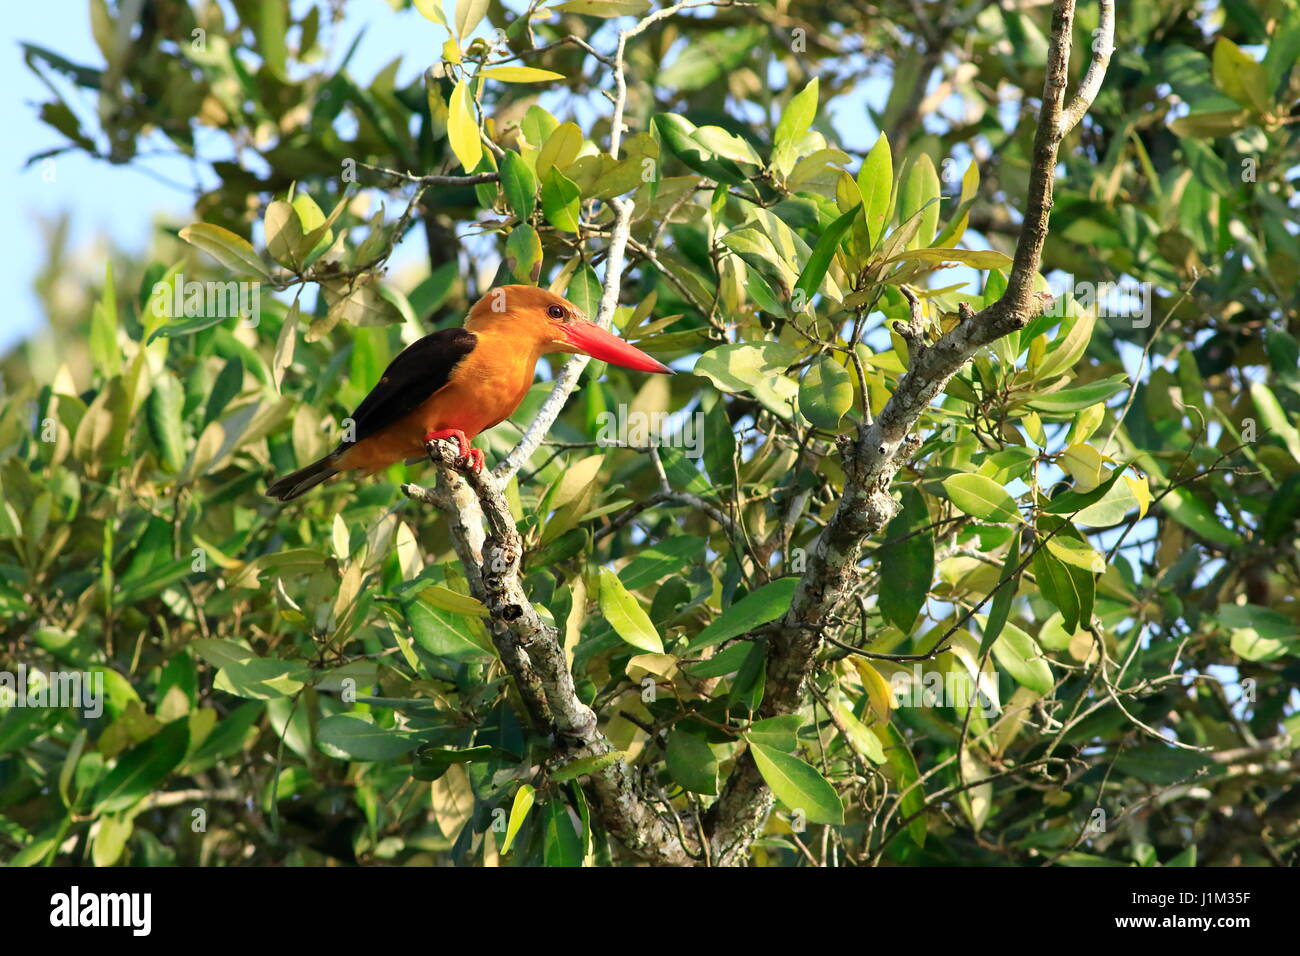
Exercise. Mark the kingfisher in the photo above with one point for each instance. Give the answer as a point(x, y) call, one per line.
point(456, 383)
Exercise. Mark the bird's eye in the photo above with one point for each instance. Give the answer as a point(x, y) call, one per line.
point(555, 312)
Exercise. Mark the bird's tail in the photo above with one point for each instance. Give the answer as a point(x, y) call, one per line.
point(303, 480)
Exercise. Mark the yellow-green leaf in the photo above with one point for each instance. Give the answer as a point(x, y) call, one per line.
point(231, 250)
point(520, 74)
point(462, 128)
point(981, 497)
point(628, 619)
point(798, 785)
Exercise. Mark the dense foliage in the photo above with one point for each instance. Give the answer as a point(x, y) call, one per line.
point(1102, 517)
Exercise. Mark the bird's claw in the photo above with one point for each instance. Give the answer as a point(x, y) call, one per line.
point(452, 433)
point(474, 456)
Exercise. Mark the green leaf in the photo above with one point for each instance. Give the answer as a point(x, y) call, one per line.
point(444, 633)
point(719, 446)
point(907, 566)
point(232, 251)
point(604, 8)
point(462, 128)
point(814, 270)
point(584, 291)
point(676, 132)
point(163, 411)
point(220, 653)
point(432, 10)
point(356, 738)
point(519, 184)
point(562, 845)
point(263, 678)
point(432, 762)
point(110, 839)
point(780, 733)
point(586, 765)
point(876, 183)
point(754, 367)
point(628, 619)
point(719, 142)
point(284, 234)
point(1082, 396)
point(560, 200)
point(1069, 502)
point(142, 768)
point(758, 607)
point(670, 556)
point(691, 762)
point(858, 735)
point(825, 393)
point(1018, 654)
point(975, 258)
point(798, 116)
point(907, 780)
point(1258, 633)
point(1160, 765)
point(1067, 352)
point(981, 497)
point(1239, 75)
point(1006, 593)
point(524, 253)
point(723, 663)
point(798, 785)
point(1194, 514)
point(469, 13)
point(229, 737)
point(1077, 552)
point(1275, 418)
point(105, 351)
point(520, 74)
point(793, 126)
point(523, 802)
point(1070, 590)
point(919, 196)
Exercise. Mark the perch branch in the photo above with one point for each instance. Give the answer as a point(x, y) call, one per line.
point(532, 652)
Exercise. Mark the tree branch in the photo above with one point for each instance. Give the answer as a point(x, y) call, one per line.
point(532, 652)
point(873, 457)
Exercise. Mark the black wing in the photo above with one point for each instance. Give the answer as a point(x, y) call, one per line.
point(421, 369)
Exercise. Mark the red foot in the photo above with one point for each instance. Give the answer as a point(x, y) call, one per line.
point(455, 433)
point(474, 455)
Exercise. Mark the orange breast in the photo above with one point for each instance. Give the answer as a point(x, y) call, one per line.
point(485, 389)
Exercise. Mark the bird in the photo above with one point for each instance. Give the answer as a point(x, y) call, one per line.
point(456, 383)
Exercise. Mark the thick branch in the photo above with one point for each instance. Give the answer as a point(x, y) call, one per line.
point(880, 449)
point(532, 653)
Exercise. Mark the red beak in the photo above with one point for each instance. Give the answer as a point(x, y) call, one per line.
point(591, 339)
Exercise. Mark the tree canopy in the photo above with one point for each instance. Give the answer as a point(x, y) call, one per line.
point(966, 533)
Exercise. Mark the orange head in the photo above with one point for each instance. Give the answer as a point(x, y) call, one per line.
point(544, 322)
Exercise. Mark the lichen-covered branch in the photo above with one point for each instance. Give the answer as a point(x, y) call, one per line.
point(880, 449)
point(532, 652)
